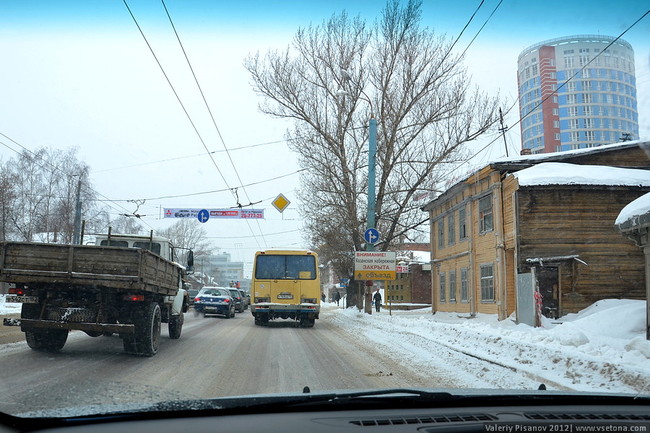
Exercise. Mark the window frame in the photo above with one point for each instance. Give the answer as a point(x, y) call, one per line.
point(464, 285)
point(487, 284)
point(485, 214)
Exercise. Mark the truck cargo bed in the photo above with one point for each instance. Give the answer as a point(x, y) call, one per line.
point(87, 266)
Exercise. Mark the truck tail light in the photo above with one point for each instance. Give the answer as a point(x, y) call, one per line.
point(16, 291)
point(135, 298)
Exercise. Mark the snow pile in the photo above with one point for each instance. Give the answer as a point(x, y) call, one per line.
point(602, 348)
point(9, 308)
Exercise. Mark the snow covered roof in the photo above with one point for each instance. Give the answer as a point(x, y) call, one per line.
point(561, 173)
point(521, 162)
point(635, 213)
point(554, 156)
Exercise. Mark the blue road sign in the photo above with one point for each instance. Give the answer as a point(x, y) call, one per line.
point(203, 215)
point(371, 236)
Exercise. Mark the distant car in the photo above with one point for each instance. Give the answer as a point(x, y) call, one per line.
point(215, 300)
point(246, 298)
point(238, 298)
point(192, 293)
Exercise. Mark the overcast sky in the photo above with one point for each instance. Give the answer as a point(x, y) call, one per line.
point(79, 74)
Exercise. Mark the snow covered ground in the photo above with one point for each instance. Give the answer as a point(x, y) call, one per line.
point(601, 349)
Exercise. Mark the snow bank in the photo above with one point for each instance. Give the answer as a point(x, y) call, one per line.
point(602, 348)
point(9, 308)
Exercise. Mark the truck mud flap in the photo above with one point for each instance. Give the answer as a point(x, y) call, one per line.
point(125, 328)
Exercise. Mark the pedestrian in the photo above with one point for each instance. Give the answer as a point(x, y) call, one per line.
point(322, 296)
point(377, 299)
point(337, 297)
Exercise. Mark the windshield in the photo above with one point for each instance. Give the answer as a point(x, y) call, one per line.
point(272, 267)
point(389, 194)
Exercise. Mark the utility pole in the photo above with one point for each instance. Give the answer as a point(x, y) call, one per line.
point(76, 234)
point(372, 157)
point(503, 130)
point(372, 201)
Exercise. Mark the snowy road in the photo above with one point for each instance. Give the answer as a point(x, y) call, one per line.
point(213, 357)
point(601, 349)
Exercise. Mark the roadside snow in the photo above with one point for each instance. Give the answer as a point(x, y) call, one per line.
point(602, 348)
point(9, 308)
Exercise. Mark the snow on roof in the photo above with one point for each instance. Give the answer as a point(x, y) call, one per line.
point(414, 256)
point(640, 206)
point(560, 173)
point(421, 256)
point(570, 153)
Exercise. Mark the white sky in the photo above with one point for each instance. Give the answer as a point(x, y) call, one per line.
point(78, 73)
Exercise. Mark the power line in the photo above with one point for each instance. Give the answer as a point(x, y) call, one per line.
point(175, 93)
point(479, 30)
point(54, 170)
point(554, 92)
point(221, 190)
point(464, 28)
point(195, 155)
point(214, 122)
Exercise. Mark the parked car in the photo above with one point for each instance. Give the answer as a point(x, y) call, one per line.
point(238, 298)
point(246, 298)
point(215, 300)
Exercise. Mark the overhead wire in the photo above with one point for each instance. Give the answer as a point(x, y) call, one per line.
point(220, 190)
point(555, 92)
point(193, 155)
point(54, 169)
point(207, 106)
point(189, 118)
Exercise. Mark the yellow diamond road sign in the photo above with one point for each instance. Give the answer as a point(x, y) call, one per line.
point(280, 203)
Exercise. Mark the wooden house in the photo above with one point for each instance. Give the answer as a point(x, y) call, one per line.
point(539, 223)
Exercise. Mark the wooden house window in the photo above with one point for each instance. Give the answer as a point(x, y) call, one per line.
point(443, 288)
point(485, 214)
point(464, 287)
point(452, 286)
point(462, 227)
point(451, 229)
point(487, 283)
point(441, 233)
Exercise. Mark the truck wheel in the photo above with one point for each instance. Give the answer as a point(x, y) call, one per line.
point(175, 326)
point(263, 319)
point(51, 340)
point(146, 339)
point(307, 323)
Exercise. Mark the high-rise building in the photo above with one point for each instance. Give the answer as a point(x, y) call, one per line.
point(574, 92)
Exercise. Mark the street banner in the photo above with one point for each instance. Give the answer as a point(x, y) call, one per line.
point(215, 213)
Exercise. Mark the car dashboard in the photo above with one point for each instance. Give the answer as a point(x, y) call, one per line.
point(488, 415)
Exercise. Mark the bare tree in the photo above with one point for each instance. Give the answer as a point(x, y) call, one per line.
point(189, 234)
point(123, 224)
point(40, 201)
point(7, 197)
point(336, 76)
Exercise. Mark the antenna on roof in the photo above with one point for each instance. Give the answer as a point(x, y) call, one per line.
point(503, 130)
